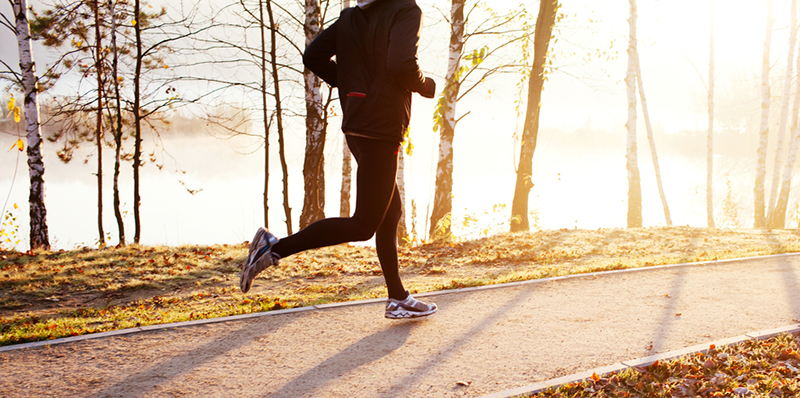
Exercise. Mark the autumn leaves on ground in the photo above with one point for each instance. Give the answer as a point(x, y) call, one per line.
point(46, 295)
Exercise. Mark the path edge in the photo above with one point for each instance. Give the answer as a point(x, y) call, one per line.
point(642, 362)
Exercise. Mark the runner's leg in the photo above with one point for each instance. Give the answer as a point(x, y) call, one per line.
point(375, 185)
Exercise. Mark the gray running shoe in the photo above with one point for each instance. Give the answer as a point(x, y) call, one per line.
point(259, 258)
point(408, 308)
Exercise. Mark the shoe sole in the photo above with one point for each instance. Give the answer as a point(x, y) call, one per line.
point(409, 314)
point(245, 284)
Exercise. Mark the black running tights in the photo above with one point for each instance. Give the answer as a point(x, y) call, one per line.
point(377, 212)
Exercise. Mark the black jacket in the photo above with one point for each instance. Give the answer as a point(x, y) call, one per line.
point(376, 67)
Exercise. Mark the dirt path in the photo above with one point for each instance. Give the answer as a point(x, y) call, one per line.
point(492, 339)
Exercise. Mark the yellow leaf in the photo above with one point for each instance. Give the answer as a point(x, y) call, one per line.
point(595, 377)
point(133, 22)
point(16, 114)
point(15, 205)
point(19, 144)
point(11, 103)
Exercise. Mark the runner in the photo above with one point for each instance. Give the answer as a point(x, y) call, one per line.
point(376, 70)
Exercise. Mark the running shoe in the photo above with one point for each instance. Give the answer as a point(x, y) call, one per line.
point(408, 308)
point(259, 258)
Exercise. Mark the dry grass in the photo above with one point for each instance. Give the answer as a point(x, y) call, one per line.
point(46, 295)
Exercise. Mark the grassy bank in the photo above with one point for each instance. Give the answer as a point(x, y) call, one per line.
point(46, 295)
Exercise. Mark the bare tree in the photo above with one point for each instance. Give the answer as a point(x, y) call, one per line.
point(651, 139)
point(634, 181)
point(279, 117)
point(763, 136)
point(117, 117)
point(773, 219)
point(530, 134)
point(347, 167)
point(710, 140)
point(99, 57)
point(777, 216)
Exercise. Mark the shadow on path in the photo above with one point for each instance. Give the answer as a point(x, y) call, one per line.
point(791, 286)
point(362, 352)
point(669, 314)
point(400, 388)
point(144, 382)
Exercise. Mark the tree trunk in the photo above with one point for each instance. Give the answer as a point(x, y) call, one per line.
point(778, 215)
point(443, 195)
point(39, 237)
point(314, 164)
point(279, 117)
point(118, 127)
point(99, 127)
point(402, 231)
point(651, 139)
point(763, 136)
point(347, 168)
point(634, 181)
point(347, 181)
point(264, 110)
point(137, 123)
point(530, 132)
point(785, 100)
point(710, 141)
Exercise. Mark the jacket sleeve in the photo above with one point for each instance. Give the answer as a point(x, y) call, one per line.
point(402, 61)
point(318, 56)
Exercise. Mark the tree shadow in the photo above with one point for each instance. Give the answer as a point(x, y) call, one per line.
point(399, 389)
point(144, 382)
point(362, 352)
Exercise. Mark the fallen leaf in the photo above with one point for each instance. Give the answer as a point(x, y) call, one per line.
point(464, 383)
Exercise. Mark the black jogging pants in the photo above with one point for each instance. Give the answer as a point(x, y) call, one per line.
point(377, 212)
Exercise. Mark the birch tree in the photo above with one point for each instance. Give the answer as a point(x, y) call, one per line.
point(651, 139)
point(777, 216)
point(314, 164)
point(39, 236)
point(402, 230)
point(634, 181)
point(524, 182)
point(347, 167)
point(773, 219)
point(458, 83)
point(710, 138)
point(442, 201)
point(763, 136)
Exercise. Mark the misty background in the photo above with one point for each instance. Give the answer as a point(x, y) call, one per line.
point(209, 186)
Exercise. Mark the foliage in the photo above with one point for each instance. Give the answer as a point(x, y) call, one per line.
point(730, 209)
point(9, 229)
point(764, 368)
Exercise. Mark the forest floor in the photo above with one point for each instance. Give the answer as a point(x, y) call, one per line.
point(46, 295)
